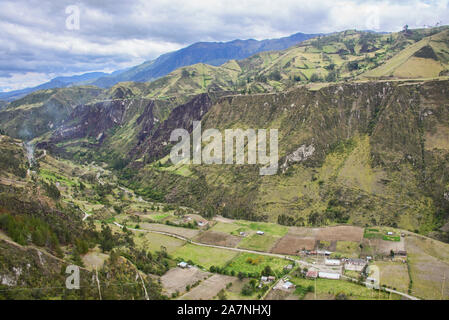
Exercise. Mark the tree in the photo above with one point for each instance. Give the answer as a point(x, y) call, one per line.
point(222, 295)
point(275, 75)
point(247, 290)
point(315, 78)
point(106, 238)
point(331, 76)
point(185, 73)
point(267, 271)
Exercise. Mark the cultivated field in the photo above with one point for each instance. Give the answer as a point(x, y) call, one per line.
point(183, 232)
point(177, 279)
point(394, 275)
point(209, 288)
point(154, 242)
point(329, 289)
point(254, 263)
point(259, 242)
point(291, 244)
point(218, 238)
point(340, 233)
point(429, 265)
point(204, 256)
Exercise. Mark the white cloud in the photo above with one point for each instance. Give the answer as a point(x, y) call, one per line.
point(19, 81)
point(117, 34)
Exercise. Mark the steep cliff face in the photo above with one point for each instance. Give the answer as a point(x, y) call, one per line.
point(92, 120)
point(363, 153)
point(111, 127)
point(154, 145)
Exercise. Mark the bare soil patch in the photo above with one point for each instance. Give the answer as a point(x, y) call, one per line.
point(428, 271)
point(384, 247)
point(340, 233)
point(218, 238)
point(292, 244)
point(94, 259)
point(277, 295)
point(183, 232)
point(177, 279)
point(303, 232)
point(209, 288)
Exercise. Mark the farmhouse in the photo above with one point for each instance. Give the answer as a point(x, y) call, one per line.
point(329, 275)
point(260, 233)
point(202, 223)
point(332, 262)
point(267, 279)
point(288, 285)
point(183, 265)
point(355, 264)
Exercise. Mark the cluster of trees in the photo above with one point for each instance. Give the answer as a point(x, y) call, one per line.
point(28, 229)
point(153, 263)
point(10, 162)
point(51, 190)
point(251, 287)
point(109, 240)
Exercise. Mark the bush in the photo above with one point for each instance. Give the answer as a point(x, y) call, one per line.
point(315, 78)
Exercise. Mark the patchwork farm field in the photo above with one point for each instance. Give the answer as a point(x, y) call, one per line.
point(204, 256)
point(291, 244)
point(259, 242)
point(340, 233)
point(183, 232)
point(177, 279)
point(209, 288)
point(329, 289)
point(394, 275)
point(154, 242)
point(429, 267)
point(253, 263)
point(218, 239)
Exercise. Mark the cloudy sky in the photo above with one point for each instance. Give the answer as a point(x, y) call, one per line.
point(40, 39)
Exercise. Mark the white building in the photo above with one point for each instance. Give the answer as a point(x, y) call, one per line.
point(260, 232)
point(332, 262)
point(288, 285)
point(329, 275)
point(183, 265)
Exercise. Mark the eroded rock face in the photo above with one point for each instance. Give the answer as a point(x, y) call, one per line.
point(154, 144)
point(11, 280)
point(303, 153)
point(8, 280)
point(92, 120)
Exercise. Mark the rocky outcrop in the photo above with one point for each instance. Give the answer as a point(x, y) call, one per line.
point(303, 153)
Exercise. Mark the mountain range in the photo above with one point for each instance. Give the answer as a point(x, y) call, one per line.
point(363, 126)
point(212, 53)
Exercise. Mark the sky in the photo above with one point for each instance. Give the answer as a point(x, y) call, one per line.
point(41, 39)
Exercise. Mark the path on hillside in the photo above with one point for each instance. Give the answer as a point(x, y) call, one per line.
point(300, 262)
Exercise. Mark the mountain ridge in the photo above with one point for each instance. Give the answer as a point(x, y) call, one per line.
point(213, 53)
